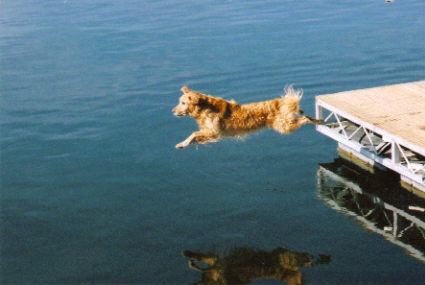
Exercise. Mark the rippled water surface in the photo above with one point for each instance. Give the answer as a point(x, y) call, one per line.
point(92, 188)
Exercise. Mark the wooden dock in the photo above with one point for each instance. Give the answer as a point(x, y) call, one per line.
point(381, 126)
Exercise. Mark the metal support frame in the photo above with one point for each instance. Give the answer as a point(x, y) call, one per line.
point(373, 143)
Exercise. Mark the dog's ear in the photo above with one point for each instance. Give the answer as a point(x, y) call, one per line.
point(194, 98)
point(185, 89)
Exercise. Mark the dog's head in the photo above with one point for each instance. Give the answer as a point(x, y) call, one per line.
point(187, 103)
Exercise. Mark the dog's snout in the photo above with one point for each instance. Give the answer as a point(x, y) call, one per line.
point(177, 112)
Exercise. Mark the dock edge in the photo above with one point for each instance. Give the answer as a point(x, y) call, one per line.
point(369, 146)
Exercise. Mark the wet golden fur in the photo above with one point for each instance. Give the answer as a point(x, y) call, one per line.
point(217, 117)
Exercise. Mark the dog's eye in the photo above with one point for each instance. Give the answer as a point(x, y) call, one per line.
point(183, 103)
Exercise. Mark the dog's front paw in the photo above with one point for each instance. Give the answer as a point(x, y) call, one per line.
point(192, 265)
point(181, 145)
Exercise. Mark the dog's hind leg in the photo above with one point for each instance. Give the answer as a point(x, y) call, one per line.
point(291, 124)
point(316, 122)
point(199, 137)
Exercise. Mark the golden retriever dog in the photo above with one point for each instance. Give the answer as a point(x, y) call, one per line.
point(243, 265)
point(219, 118)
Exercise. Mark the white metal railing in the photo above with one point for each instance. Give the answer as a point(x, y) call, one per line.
point(380, 146)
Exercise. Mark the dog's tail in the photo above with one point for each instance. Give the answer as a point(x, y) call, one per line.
point(292, 99)
point(291, 93)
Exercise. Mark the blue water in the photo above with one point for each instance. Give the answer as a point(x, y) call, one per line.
point(92, 188)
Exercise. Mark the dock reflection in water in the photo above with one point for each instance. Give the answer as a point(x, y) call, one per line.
point(378, 204)
point(244, 265)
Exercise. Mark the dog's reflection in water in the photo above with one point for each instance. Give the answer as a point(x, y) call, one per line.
point(242, 265)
